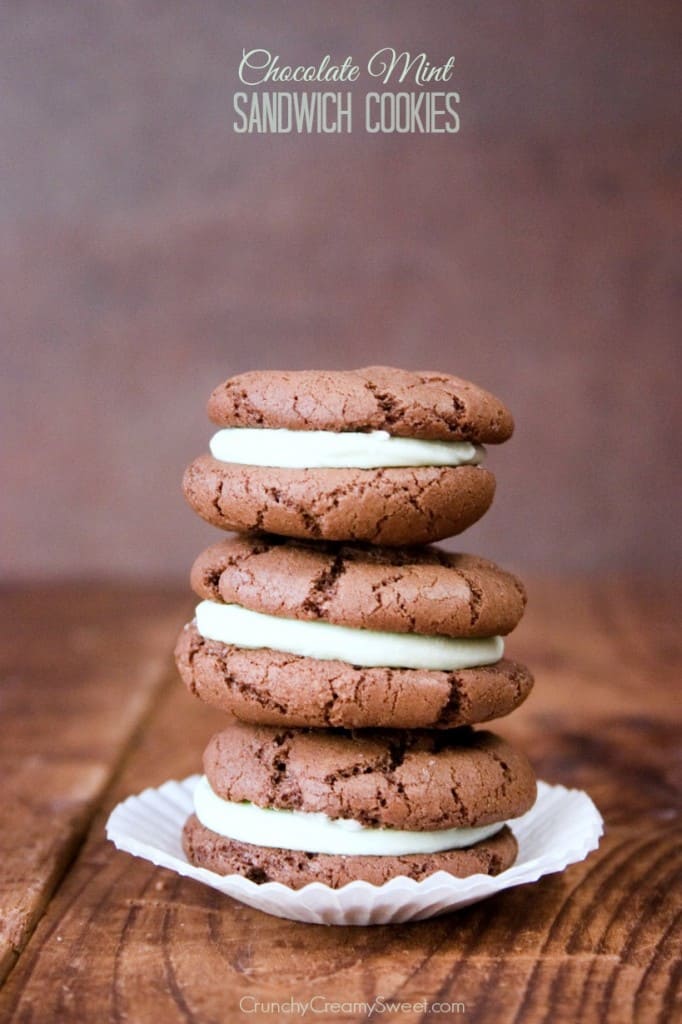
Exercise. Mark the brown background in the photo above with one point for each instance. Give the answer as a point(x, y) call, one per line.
point(147, 252)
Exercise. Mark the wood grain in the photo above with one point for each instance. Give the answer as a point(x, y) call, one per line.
point(122, 940)
point(80, 668)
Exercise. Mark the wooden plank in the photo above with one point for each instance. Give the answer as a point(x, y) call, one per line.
point(81, 667)
point(122, 940)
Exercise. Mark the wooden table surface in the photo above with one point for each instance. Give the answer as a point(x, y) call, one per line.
point(92, 710)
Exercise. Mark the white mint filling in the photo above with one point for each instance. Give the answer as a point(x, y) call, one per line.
point(232, 624)
point(326, 449)
point(316, 833)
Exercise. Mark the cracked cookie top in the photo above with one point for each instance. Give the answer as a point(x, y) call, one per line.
point(417, 779)
point(398, 590)
point(427, 405)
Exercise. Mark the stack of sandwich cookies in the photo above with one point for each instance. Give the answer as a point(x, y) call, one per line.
point(352, 660)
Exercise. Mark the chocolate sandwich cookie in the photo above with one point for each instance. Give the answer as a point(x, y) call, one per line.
point(377, 455)
point(298, 806)
point(302, 634)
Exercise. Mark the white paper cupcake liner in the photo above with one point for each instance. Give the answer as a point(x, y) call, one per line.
point(561, 829)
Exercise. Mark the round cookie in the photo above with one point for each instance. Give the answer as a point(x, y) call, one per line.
point(407, 590)
point(296, 869)
point(375, 506)
point(388, 505)
point(413, 781)
point(274, 688)
point(427, 405)
point(425, 591)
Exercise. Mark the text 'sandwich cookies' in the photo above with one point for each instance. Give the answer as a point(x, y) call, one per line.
point(378, 455)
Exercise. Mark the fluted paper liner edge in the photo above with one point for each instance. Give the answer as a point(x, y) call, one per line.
point(560, 829)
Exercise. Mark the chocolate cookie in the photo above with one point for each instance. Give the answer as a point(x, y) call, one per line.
point(422, 591)
point(256, 481)
point(415, 780)
point(273, 688)
point(407, 590)
point(414, 787)
point(427, 405)
point(376, 506)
